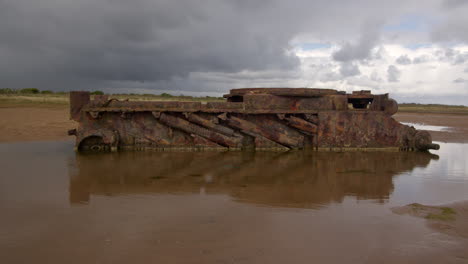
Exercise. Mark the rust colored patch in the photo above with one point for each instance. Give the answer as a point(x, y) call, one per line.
point(277, 118)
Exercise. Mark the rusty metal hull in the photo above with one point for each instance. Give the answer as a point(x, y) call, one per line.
point(250, 119)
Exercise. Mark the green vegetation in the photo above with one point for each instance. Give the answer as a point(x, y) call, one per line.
point(432, 108)
point(433, 212)
point(36, 96)
point(7, 91)
point(29, 91)
point(23, 91)
point(12, 100)
point(166, 95)
point(448, 210)
point(33, 96)
point(445, 214)
point(415, 207)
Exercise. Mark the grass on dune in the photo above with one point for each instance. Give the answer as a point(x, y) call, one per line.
point(61, 99)
point(12, 100)
point(432, 108)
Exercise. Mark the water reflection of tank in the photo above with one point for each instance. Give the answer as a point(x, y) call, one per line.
point(252, 118)
point(291, 179)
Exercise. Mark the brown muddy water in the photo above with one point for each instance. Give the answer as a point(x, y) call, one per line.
point(225, 207)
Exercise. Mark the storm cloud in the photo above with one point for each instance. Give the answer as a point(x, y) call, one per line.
point(134, 40)
point(360, 50)
point(211, 46)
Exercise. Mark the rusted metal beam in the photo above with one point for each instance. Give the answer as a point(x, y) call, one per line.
point(191, 128)
point(194, 118)
point(302, 125)
point(270, 133)
point(312, 118)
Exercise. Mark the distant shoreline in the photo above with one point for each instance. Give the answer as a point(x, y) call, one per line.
point(61, 100)
point(38, 118)
point(432, 108)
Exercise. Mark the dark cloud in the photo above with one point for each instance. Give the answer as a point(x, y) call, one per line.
point(360, 50)
point(452, 22)
point(186, 45)
point(403, 60)
point(459, 80)
point(393, 74)
point(349, 69)
point(84, 42)
point(450, 55)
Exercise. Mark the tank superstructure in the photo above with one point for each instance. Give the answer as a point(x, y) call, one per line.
point(250, 118)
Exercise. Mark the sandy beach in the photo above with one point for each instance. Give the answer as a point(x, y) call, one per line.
point(31, 123)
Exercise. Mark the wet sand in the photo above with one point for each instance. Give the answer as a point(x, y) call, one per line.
point(458, 124)
point(18, 123)
point(451, 219)
point(34, 123)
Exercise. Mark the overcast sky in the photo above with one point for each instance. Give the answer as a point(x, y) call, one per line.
point(415, 50)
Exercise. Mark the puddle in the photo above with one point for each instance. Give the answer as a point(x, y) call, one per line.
point(224, 207)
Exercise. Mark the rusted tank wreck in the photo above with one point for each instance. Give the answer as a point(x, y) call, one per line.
point(251, 118)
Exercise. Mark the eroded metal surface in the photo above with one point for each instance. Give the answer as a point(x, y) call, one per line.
point(252, 118)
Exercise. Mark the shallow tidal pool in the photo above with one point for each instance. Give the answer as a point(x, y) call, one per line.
point(225, 207)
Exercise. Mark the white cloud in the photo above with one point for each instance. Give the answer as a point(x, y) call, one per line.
point(419, 82)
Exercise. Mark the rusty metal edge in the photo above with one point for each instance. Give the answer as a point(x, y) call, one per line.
point(321, 149)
